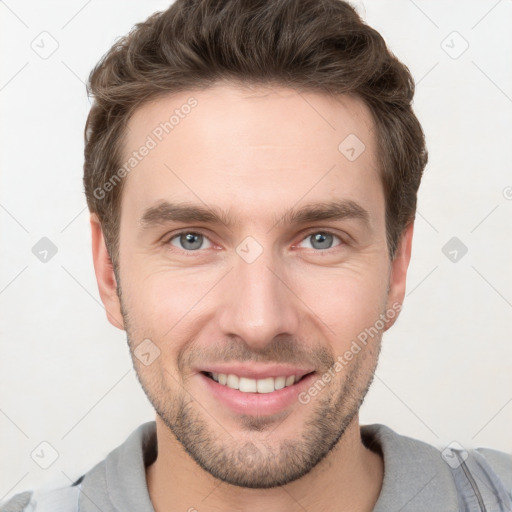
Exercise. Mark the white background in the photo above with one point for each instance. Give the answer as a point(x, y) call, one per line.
point(66, 377)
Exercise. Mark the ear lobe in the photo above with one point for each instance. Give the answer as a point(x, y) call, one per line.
point(398, 275)
point(105, 276)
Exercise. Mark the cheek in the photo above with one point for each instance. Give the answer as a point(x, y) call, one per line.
point(163, 305)
point(347, 302)
point(152, 291)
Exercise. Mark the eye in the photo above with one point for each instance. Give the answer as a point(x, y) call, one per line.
point(188, 241)
point(322, 240)
point(192, 241)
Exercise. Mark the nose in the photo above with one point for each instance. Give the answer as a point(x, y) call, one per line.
point(258, 302)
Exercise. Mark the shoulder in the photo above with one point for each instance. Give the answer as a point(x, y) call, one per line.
point(17, 503)
point(501, 463)
point(423, 477)
point(119, 477)
point(64, 499)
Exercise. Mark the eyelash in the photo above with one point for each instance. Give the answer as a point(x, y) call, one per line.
point(305, 236)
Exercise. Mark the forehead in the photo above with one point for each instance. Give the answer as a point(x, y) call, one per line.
point(259, 150)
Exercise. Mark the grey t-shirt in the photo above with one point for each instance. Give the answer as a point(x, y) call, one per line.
point(416, 477)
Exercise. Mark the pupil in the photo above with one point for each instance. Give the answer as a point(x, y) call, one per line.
point(322, 238)
point(189, 239)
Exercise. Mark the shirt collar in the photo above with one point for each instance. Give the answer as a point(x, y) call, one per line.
point(415, 476)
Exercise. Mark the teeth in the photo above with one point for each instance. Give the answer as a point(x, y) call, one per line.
point(246, 385)
point(279, 382)
point(232, 381)
point(265, 385)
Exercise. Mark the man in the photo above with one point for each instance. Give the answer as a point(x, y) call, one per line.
point(251, 169)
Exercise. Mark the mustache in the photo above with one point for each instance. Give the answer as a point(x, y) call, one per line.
point(281, 350)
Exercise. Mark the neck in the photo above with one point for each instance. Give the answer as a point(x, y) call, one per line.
point(349, 478)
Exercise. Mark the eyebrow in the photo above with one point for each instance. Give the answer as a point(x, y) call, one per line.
point(166, 212)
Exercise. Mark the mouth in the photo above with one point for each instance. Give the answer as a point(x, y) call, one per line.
point(256, 397)
point(259, 386)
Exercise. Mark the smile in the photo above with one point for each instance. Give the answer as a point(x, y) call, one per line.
point(247, 385)
point(257, 397)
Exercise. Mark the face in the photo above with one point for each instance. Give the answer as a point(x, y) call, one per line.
point(282, 274)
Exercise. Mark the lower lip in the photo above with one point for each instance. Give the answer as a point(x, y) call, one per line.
point(257, 404)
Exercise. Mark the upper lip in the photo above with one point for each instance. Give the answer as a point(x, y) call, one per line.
point(252, 371)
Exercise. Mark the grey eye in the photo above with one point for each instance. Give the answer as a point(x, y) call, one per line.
point(188, 240)
point(321, 240)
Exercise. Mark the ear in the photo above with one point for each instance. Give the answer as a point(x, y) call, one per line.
point(398, 274)
point(105, 277)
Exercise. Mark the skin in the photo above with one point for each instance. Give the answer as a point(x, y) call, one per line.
point(257, 153)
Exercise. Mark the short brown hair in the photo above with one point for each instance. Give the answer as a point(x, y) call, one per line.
point(308, 45)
